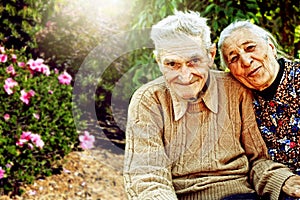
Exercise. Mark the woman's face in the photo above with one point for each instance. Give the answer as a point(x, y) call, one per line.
point(250, 58)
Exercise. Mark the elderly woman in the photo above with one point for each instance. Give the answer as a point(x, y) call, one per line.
point(251, 55)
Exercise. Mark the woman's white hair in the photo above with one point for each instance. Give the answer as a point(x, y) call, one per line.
point(181, 24)
point(243, 25)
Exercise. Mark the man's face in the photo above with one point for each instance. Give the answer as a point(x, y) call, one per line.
point(250, 58)
point(185, 65)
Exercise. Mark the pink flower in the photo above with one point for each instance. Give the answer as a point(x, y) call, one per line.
point(21, 64)
point(65, 78)
point(9, 165)
point(2, 172)
point(21, 142)
point(3, 58)
point(25, 96)
point(37, 116)
point(36, 139)
point(11, 70)
point(44, 69)
point(25, 137)
point(6, 117)
point(50, 91)
point(9, 83)
point(86, 140)
point(39, 66)
point(14, 57)
point(32, 64)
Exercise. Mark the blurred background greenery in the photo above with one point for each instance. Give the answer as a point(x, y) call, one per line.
point(64, 32)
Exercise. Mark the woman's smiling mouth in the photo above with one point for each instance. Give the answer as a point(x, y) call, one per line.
point(253, 72)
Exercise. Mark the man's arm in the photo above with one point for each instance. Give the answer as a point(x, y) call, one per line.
point(147, 170)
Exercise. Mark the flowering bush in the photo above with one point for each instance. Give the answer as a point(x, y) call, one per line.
point(37, 126)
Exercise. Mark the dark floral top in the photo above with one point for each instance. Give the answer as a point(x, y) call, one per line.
point(278, 115)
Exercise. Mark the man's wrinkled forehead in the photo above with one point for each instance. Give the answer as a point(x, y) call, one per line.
point(179, 45)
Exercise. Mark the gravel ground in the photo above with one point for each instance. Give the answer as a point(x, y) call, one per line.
point(87, 175)
point(95, 174)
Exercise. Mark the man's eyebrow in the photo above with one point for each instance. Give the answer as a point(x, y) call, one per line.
point(168, 60)
point(195, 56)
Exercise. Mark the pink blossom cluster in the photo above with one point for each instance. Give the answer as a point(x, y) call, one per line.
point(11, 86)
point(86, 140)
point(27, 137)
point(39, 66)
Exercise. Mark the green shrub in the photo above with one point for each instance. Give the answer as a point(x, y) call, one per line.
point(20, 20)
point(37, 126)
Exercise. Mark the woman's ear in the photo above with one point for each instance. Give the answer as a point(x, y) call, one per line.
point(271, 44)
point(212, 53)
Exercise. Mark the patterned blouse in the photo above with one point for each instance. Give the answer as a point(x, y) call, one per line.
point(278, 115)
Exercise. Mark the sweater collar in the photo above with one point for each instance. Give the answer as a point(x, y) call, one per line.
point(209, 98)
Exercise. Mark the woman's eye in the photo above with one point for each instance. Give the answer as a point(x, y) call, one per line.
point(250, 47)
point(233, 59)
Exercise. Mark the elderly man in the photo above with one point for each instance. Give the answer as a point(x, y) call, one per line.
point(191, 134)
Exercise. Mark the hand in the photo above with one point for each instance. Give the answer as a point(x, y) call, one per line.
point(292, 186)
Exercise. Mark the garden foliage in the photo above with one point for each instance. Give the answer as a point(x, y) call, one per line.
point(21, 20)
point(37, 123)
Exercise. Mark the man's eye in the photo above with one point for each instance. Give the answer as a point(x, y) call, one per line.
point(171, 64)
point(193, 62)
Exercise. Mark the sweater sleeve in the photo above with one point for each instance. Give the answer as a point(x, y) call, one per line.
point(147, 169)
point(266, 176)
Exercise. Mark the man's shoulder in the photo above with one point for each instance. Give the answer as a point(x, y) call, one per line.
point(226, 80)
point(225, 77)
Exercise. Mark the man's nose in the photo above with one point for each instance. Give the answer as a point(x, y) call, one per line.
point(246, 60)
point(186, 74)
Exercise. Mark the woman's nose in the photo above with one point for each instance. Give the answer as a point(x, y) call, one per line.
point(246, 60)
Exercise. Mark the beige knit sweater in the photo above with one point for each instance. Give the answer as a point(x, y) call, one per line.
point(204, 150)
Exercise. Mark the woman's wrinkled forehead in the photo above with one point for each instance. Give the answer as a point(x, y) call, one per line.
point(242, 36)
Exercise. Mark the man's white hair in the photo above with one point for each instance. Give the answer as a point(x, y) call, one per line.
point(181, 24)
